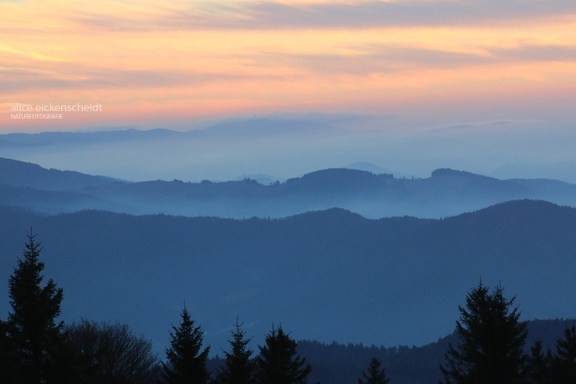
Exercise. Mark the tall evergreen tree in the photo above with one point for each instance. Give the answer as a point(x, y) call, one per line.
point(239, 366)
point(279, 362)
point(538, 365)
point(491, 341)
point(31, 334)
point(375, 374)
point(563, 367)
point(186, 362)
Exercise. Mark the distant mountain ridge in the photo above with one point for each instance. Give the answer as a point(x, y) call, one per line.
point(20, 174)
point(282, 147)
point(241, 127)
point(445, 193)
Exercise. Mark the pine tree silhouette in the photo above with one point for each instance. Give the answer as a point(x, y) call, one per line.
point(186, 363)
point(491, 343)
point(239, 367)
point(375, 374)
point(279, 362)
point(31, 334)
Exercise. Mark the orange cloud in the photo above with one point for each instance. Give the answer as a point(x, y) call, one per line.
point(147, 60)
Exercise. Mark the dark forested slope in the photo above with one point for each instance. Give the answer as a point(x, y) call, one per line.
point(330, 275)
point(337, 363)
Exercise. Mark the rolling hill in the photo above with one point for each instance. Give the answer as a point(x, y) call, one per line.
point(445, 193)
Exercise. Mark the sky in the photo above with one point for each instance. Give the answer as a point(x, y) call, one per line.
point(491, 73)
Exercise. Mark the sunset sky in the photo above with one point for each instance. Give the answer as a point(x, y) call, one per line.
point(398, 66)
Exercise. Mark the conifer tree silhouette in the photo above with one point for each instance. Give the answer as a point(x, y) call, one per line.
point(31, 335)
point(239, 366)
point(186, 362)
point(279, 362)
point(491, 341)
point(375, 374)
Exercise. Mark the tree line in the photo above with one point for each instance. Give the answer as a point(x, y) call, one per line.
point(35, 348)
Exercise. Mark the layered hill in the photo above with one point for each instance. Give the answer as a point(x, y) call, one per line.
point(445, 193)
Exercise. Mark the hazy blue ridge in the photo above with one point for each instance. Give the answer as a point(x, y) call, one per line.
point(445, 193)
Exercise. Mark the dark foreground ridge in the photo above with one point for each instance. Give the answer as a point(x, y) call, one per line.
point(330, 269)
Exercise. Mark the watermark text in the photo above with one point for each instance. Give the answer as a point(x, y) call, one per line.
point(49, 111)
